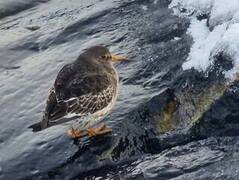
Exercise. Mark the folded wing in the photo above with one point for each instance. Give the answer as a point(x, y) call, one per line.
point(77, 93)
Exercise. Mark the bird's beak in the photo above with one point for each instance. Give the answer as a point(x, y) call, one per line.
point(115, 58)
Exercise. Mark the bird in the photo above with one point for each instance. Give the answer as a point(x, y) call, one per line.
point(86, 87)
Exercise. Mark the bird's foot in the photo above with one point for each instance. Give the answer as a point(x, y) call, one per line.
point(236, 77)
point(75, 133)
point(102, 129)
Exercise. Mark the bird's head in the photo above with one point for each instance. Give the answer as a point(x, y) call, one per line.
point(102, 54)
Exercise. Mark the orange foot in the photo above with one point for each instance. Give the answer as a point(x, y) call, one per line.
point(102, 129)
point(236, 77)
point(75, 133)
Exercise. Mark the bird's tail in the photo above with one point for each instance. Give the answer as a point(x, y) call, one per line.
point(51, 102)
point(36, 127)
point(40, 125)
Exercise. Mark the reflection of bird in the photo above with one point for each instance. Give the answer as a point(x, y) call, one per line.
point(88, 86)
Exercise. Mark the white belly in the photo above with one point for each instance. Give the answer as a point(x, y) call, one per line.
point(106, 110)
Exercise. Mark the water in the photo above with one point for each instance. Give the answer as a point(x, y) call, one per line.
point(39, 37)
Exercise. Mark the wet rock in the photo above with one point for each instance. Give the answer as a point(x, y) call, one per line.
point(9, 67)
point(33, 28)
point(164, 118)
point(180, 160)
point(203, 159)
point(221, 118)
point(222, 62)
point(8, 8)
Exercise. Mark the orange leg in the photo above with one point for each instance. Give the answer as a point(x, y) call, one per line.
point(75, 133)
point(102, 129)
point(237, 77)
point(91, 132)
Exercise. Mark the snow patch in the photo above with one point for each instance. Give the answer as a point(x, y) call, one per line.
point(214, 28)
point(204, 43)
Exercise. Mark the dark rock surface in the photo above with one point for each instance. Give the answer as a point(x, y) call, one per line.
point(11, 7)
point(167, 123)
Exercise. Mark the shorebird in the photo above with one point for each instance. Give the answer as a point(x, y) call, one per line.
point(85, 87)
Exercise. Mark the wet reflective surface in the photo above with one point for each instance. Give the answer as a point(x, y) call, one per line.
point(167, 123)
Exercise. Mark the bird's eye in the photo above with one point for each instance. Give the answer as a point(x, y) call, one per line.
point(103, 57)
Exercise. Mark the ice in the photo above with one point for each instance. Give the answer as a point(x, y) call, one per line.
point(219, 32)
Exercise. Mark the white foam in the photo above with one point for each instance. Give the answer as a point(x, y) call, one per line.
point(220, 33)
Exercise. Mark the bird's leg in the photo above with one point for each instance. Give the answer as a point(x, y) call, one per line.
point(102, 129)
point(236, 77)
point(75, 133)
point(91, 132)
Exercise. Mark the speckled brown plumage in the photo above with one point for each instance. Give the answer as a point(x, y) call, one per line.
point(85, 86)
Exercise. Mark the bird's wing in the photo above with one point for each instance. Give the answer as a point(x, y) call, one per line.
point(78, 93)
point(91, 102)
point(71, 83)
point(62, 79)
point(54, 110)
